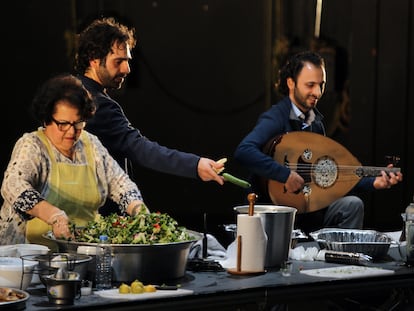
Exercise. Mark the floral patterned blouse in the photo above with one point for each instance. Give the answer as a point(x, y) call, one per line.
point(28, 174)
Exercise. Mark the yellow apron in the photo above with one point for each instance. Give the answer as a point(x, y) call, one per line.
point(72, 187)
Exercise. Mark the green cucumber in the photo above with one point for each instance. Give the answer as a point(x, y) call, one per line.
point(237, 181)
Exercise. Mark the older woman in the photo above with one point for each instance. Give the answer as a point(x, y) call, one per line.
point(60, 174)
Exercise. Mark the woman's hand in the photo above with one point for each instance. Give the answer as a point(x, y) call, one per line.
point(136, 207)
point(60, 225)
point(53, 216)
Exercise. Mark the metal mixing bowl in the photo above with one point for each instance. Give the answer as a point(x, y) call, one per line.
point(368, 242)
point(147, 263)
point(50, 263)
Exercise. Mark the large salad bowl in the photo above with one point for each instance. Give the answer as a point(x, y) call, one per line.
point(155, 263)
point(150, 247)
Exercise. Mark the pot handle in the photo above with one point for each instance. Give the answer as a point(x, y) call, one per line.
point(78, 291)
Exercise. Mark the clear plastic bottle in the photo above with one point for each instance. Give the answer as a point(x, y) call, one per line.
point(409, 233)
point(103, 274)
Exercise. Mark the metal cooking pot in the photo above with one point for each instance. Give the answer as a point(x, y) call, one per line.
point(148, 263)
point(278, 223)
point(63, 291)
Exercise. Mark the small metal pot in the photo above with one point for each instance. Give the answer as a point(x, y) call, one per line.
point(63, 291)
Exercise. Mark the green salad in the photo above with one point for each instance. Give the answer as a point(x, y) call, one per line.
point(144, 228)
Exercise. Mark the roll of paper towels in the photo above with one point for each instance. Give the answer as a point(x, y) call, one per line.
point(253, 242)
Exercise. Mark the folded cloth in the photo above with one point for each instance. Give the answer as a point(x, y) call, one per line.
point(396, 236)
point(230, 261)
point(215, 250)
point(300, 253)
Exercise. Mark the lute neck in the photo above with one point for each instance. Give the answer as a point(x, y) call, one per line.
point(373, 171)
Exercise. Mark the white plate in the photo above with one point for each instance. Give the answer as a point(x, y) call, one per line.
point(114, 294)
point(345, 272)
point(15, 304)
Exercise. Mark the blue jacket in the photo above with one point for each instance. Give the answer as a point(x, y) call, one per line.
point(123, 141)
point(277, 120)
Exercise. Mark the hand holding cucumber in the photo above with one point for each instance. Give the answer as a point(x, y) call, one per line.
point(230, 178)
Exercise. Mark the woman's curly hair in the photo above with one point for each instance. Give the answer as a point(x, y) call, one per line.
point(63, 87)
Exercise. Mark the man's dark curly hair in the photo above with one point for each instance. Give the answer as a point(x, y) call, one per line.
point(97, 39)
point(63, 87)
point(294, 66)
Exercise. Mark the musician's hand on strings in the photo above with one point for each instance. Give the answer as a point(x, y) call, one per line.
point(387, 180)
point(294, 183)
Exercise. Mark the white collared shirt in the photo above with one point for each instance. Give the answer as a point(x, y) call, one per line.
point(301, 116)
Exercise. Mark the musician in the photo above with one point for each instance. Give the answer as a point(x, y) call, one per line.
point(302, 82)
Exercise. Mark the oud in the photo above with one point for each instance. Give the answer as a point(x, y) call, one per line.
point(329, 170)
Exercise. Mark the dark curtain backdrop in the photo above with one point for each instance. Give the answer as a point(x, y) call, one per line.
point(203, 72)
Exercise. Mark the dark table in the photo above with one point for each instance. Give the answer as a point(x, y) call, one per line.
point(269, 291)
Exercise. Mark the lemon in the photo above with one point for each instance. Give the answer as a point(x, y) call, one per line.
point(124, 289)
point(136, 283)
point(137, 287)
point(149, 288)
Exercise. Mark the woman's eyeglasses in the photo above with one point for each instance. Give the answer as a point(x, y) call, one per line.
point(65, 125)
